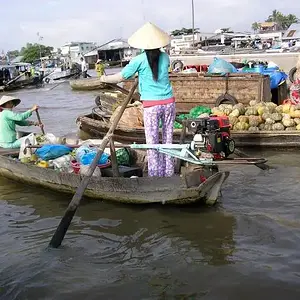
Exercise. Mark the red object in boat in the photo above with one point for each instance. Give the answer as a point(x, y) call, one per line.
point(199, 68)
point(202, 178)
point(76, 166)
point(103, 166)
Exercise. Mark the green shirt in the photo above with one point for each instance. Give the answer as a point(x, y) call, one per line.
point(8, 122)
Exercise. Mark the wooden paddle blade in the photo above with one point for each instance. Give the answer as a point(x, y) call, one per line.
point(70, 212)
point(261, 166)
point(62, 229)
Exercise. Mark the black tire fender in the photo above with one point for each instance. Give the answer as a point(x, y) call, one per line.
point(175, 62)
point(292, 74)
point(226, 98)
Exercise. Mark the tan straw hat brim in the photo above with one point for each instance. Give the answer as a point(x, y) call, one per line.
point(149, 37)
point(5, 99)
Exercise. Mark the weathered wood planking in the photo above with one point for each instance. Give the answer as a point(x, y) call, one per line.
point(199, 89)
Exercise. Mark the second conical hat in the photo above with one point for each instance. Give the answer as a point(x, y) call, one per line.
point(149, 37)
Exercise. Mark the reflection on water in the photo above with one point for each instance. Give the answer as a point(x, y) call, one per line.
point(245, 248)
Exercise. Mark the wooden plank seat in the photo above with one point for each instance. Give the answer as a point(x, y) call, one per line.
point(6, 151)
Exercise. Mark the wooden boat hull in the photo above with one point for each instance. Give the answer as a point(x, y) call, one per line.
point(88, 84)
point(19, 84)
point(185, 189)
point(263, 139)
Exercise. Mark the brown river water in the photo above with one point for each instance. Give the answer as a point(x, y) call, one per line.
point(247, 247)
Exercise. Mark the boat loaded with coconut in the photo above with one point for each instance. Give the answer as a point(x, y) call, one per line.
point(254, 125)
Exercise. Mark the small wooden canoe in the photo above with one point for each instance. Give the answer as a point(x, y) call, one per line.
point(95, 128)
point(184, 189)
point(88, 84)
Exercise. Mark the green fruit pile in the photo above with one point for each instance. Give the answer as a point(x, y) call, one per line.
point(261, 116)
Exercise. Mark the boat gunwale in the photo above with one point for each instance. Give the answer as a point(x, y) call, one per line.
point(178, 131)
point(187, 194)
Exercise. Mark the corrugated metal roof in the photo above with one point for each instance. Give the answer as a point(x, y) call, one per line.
point(114, 45)
point(292, 33)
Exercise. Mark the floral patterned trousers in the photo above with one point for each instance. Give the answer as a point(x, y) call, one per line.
point(159, 164)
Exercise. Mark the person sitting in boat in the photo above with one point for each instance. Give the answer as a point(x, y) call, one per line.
point(99, 68)
point(9, 120)
point(152, 67)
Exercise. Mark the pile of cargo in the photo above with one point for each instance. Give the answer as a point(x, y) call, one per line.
point(261, 116)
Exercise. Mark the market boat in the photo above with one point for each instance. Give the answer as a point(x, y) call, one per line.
point(212, 90)
point(187, 188)
point(24, 79)
point(95, 128)
point(88, 84)
point(206, 90)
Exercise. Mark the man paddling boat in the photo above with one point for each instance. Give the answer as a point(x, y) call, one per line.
point(9, 120)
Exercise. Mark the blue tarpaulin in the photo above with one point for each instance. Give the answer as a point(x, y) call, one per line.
point(276, 76)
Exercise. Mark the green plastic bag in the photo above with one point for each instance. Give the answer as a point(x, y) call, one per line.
point(195, 112)
point(123, 157)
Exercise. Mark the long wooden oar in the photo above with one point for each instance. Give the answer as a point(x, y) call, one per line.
point(52, 88)
point(70, 212)
point(40, 122)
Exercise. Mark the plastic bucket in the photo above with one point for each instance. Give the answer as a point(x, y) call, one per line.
point(103, 166)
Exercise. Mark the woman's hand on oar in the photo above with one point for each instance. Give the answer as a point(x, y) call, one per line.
point(73, 205)
point(35, 108)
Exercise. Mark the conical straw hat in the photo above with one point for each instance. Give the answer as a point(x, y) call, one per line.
point(149, 37)
point(5, 99)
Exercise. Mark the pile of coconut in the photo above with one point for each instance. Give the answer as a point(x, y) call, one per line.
point(259, 116)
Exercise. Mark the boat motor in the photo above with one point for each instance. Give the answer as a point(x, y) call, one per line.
point(211, 135)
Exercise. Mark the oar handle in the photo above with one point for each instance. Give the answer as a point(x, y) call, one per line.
point(39, 120)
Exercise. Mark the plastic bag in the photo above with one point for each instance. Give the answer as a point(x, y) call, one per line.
point(123, 157)
point(132, 116)
point(49, 152)
point(221, 66)
point(63, 163)
point(85, 155)
point(195, 112)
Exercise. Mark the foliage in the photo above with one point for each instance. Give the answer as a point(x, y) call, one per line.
point(283, 21)
point(226, 30)
point(13, 53)
point(184, 31)
point(33, 52)
point(255, 26)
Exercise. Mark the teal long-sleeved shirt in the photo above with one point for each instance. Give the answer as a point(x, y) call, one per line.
point(150, 89)
point(8, 122)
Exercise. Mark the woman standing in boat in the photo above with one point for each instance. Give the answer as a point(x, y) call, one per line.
point(9, 120)
point(99, 68)
point(156, 92)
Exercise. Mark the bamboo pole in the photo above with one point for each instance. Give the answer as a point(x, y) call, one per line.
point(75, 202)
